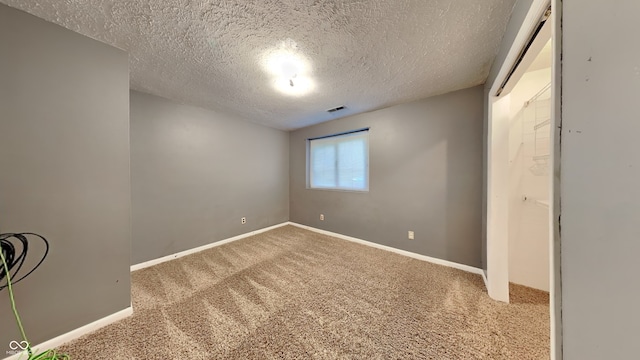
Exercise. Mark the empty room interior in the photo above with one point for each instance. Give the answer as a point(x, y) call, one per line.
point(319, 179)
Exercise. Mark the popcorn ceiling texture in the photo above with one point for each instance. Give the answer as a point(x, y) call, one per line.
point(364, 54)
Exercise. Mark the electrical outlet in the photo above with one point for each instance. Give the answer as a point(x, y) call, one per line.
point(321, 217)
point(411, 235)
point(243, 220)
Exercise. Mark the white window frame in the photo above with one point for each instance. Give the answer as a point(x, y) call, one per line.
point(336, 188)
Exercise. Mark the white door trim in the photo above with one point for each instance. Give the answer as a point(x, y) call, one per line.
point(555, 286)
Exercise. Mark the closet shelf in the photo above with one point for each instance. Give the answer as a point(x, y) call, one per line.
point(543, 203)
point(544, 123)
point(541, 157)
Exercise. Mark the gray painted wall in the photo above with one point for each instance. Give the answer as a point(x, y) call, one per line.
point(64, 173)
point(600, 180)
point(520, 10)
point(196, 172)
point(425, 176)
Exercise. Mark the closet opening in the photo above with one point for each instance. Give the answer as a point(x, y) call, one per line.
point(522, 204)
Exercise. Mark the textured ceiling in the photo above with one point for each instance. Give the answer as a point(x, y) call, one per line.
point(363, 54)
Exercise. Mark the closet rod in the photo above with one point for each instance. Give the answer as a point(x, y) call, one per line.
point(537, 95)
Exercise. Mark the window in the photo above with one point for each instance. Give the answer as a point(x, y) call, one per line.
point(340, 162)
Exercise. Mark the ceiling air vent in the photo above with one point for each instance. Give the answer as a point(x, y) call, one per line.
point(336, 109)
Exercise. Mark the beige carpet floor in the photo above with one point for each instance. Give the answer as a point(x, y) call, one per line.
point(293, 294)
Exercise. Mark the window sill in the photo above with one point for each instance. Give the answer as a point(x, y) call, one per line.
point(339, 190)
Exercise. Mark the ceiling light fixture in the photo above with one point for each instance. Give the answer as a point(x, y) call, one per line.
point(289, 68)
point(299, 86)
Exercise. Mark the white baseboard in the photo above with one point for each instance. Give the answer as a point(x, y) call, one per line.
point(484, 278)
point(74, 334)
point(433, 260)
point(200, 248)
point(430, 259)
